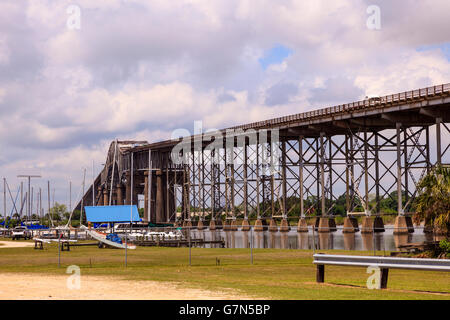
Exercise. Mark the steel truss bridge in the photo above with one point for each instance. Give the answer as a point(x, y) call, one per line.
point(358, 154)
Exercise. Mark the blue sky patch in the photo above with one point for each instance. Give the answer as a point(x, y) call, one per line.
point(445, 48)
point(275, 55)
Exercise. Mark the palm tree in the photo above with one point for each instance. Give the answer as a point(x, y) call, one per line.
point(433, 200)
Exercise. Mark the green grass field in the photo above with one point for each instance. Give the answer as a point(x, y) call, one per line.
point(275, 274)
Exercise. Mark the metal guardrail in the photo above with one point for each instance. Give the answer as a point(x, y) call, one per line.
point(384, 262)
point(373, 103)
point(377, 102)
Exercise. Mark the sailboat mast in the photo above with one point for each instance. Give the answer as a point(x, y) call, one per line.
point(4, 198)
point(82, 197)
point(93, 182)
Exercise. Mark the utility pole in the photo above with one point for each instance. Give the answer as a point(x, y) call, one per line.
point(29, 191)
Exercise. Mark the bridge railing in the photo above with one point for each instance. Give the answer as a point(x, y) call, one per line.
point(422, 93)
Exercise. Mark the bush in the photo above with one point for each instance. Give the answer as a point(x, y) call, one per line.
point(445, 247)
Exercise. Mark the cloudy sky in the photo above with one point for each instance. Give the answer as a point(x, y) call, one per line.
point(139, 69)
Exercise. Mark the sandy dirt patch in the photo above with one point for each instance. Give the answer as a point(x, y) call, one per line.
point(15, 244)
point(388, 289)
point(18, 286)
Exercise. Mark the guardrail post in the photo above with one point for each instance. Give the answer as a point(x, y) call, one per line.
point(384, 278)
point(320, 273)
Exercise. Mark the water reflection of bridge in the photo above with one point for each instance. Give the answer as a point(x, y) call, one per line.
point(342, 159)
point(380, 241)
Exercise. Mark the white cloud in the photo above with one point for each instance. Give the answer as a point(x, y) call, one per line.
point(4, 50)
point(140, 69)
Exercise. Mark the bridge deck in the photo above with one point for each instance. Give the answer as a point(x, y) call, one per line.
point(421, 107)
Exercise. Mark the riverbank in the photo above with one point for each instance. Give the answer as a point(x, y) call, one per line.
point(274, 274)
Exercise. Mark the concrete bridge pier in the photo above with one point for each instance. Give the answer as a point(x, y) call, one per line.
point(285, 226)
point(367, 225)
point(212, 224)
point(350, 225)
point(400, 225)
point(105, 197)
point(409, 224)
point(372, 224)
point(200, 225)
point(273, 227)
point(327, 224)
point(146, 187)
point(233, 225)
point(378, 225)
point(259, 225)
point(119, 193)
point(324, 225)
point(302, 226)
point(245, 225)
point(187, 224)
point(100, 199)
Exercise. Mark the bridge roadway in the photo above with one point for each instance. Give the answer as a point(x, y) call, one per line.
point(321, 152)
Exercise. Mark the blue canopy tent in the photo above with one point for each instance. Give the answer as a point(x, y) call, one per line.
point(112, 214)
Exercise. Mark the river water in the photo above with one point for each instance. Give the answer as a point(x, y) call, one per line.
point(325, 241)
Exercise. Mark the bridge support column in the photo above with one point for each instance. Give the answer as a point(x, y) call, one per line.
point(324, 225)
point(212, 225)
point(119, 194)
point(285, 226)
point(187, 224)
point(160, 198)
point(259, 225)
point(378, 225)
point(400, 226)
point(273, 227)
point(146, 208)
point(233, 225)
point(105, 197)
point(200, 225)
point(100, 198)
point(438, 141)
point(367, 224)
point(409, 224)
point(350, 225)
point(399, 172)
point(245, 225)
point(302, 225)
point(128, 189)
